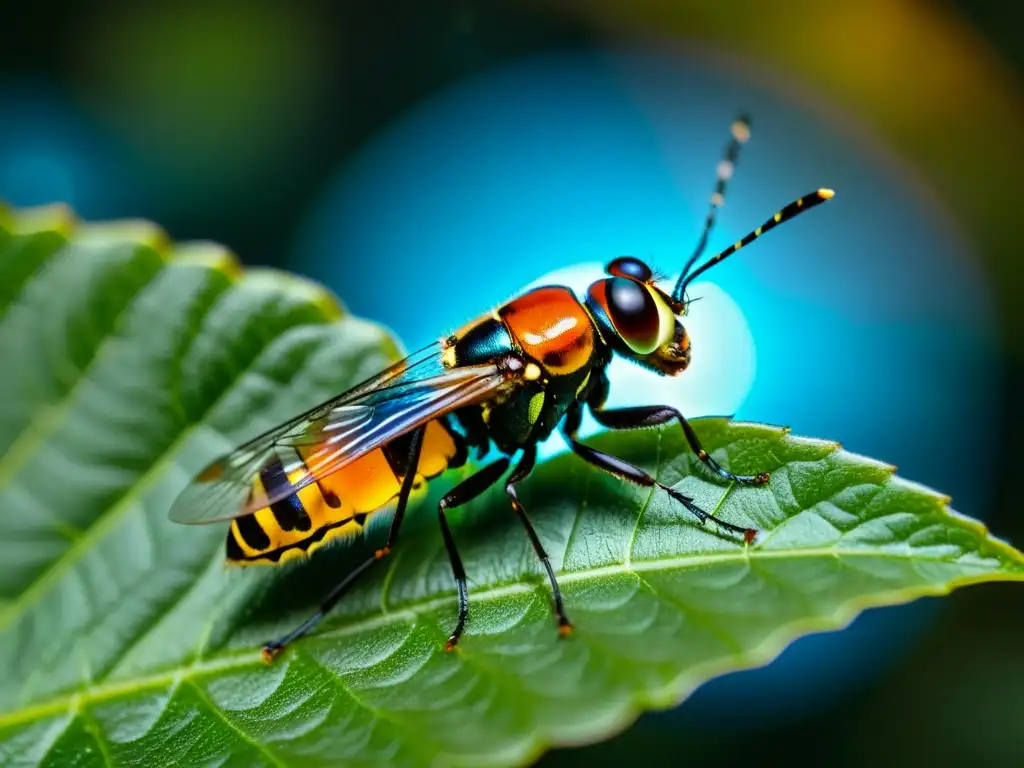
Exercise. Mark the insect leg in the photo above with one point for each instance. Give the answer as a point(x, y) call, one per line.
point(634, 474)
point(654, 415)
point(465, 491)
point(273, 648)
point(524, 468)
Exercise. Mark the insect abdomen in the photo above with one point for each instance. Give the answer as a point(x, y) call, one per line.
point(338, 505)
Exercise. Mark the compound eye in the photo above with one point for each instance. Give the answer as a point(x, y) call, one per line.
point(634, 313)
point(627, 266)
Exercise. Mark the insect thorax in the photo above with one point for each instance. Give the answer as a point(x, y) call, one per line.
point(554, 335)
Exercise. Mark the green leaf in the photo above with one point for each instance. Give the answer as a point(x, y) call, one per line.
point(130, 361)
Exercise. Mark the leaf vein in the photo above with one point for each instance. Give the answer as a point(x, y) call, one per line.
point(726, 639)
point(584, 501)
point(379, 715)
point(94, 728)
point(50, 416)
point(647, 501)
point(392, 568)
point(114, 513)
point(260, 747)
point(411, 612)
point(142, 632)
point(12, 291)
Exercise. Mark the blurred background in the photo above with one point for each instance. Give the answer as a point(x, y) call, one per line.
point(429, 159)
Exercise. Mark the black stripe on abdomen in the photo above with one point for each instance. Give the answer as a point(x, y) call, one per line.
point(274, 555)
point(252, 532)
point(289, 512)
point(234, 549)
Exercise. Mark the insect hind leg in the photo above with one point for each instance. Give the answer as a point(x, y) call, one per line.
point(525, 466)
point(274, 648)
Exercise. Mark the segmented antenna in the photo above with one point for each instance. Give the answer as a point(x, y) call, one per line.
point(740, 130)
point(792, 210)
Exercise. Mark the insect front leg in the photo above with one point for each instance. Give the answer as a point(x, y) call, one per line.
point(656, 415)
point(465, 491)
point(523, 469)
point(634, 474)
point(272, 649)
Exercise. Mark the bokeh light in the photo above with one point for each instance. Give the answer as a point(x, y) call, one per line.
point(50, 152)
point(217, 96)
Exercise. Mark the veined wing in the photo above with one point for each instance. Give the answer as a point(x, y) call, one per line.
point(324, 439)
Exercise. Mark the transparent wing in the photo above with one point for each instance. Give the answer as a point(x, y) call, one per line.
point(407, 395)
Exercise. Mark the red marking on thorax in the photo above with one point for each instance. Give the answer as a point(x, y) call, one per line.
point(552, 327)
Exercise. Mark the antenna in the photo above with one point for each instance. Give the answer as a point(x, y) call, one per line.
point(791, 211)
point(740, 130)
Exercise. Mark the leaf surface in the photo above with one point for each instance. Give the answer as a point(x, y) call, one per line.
point(131, 361)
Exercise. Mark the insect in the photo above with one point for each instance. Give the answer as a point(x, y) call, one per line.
point(507, 379)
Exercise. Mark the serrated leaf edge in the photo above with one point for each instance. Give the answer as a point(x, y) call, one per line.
point(673, 693)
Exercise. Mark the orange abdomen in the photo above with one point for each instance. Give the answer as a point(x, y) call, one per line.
point(338, 505)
